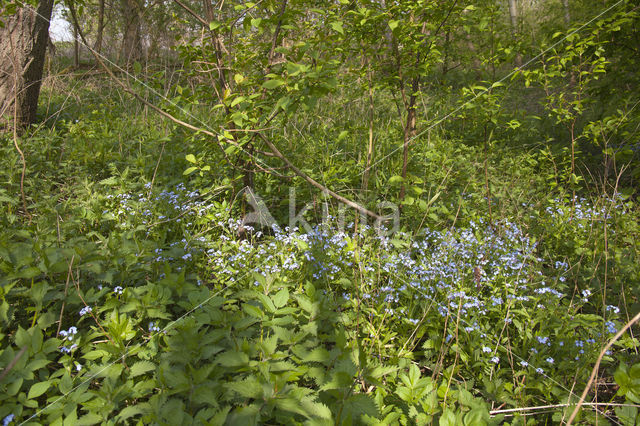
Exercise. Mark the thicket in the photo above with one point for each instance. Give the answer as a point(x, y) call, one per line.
point(132, 290)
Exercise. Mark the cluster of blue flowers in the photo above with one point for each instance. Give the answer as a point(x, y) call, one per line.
point(584, 211)
point(465, 272)
point(180, 205)
point(68, 335)
point(469, 273)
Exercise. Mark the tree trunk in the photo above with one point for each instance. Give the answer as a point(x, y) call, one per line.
point(23, 44)
point(513, 13)
point(409, 133)
point(98, 46)
point(567, 15)
point(131, 40)
point(76, 48)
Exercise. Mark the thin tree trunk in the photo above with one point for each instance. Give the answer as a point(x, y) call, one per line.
point(98, 45)
point(131, 41)
point(23, 45)
point(513, 13)
point(76, 48)
point(567, 15)
point(409, 133)
point(371, 147)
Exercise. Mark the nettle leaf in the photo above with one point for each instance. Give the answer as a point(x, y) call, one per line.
point(252, 310)
point(360, 404)
point(232, 359)
point(281, 298)
point(269, 345)
point(448, 418)
point(248, 388)
point(267, 302)
point(317, 355)
point(305, 303)
point(305, 407)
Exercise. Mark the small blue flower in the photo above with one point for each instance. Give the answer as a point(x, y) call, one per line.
point(495, 360)
point(550, 360)
point(118, 290)
point(611, 327)
point(543, 340)
point(486, 349)
point(85, 310)
point(8, 419)
point(539, 370)
point(524, 363)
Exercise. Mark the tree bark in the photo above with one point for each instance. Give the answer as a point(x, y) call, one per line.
point(98, 46)
point(76, 48)
point(409, 133)
point(131, 40)
point(567, 15)
point(23, 45)
point(513, 14)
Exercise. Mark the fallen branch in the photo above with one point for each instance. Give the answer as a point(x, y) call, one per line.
point(546, 407)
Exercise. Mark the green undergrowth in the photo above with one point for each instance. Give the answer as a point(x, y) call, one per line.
point(130, 296)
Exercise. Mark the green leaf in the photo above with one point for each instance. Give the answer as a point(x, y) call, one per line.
point(272, 84)
point(108, 181)
point(130, 411)
point(232, 359)
point(359, 404)
point(267, 302)
point(189, 171)
point(214, 25)
point(337, 27)
point(627, 415)
point(191, 158)
point(281, 298)
point(252, 310)
point(137, 67)
point(448, 418)
point(283, 102)
point(237, 100)
point(38, 389)
point(89, 419)
point(477, 416)
point(141, 367)
point(394, 24)
point(249, 388)
point(395, 179)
